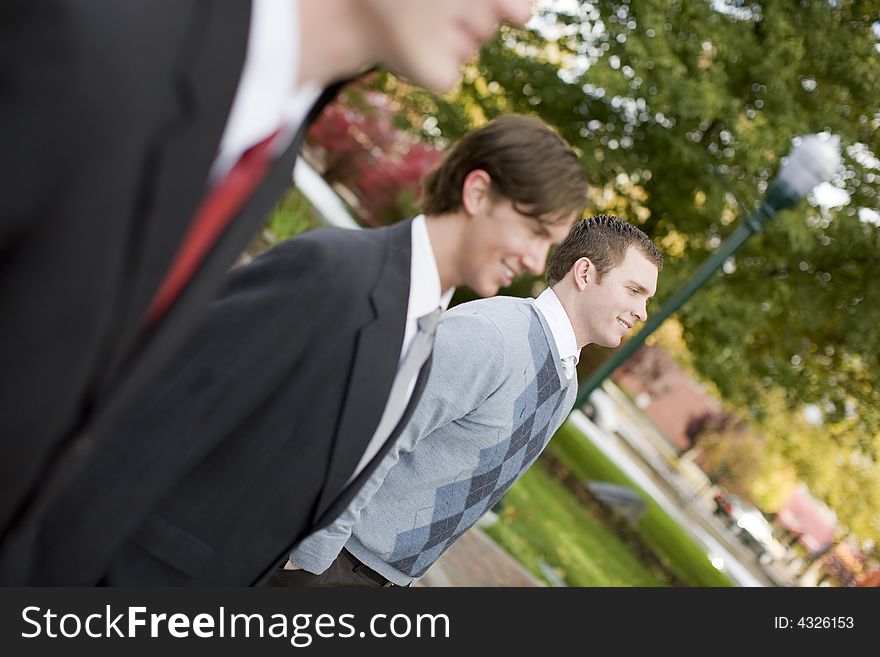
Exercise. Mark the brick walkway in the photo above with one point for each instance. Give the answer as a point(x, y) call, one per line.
point(475, 560)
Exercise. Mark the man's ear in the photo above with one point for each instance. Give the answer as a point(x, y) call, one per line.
point(584, 272)
point(475, 191)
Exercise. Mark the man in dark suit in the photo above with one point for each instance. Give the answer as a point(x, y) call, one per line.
point(122, 126)
point(267, 423)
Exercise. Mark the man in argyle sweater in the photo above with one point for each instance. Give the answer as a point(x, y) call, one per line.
point(502, 382)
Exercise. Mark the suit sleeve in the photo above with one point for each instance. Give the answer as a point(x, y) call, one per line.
point(468, 366)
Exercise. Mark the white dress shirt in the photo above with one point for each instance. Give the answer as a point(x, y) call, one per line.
point(269, 96)
point(549, 306)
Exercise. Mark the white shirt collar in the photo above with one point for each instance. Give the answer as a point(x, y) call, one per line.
point(425, 294)
point(560, 325)
point(269, 96)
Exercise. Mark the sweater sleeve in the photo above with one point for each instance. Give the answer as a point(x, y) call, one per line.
point(467, 366)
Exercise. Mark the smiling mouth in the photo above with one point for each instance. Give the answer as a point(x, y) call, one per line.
point(508, 272)
point(628, 326)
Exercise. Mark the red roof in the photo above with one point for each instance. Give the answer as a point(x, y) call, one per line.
point(667, 394)
point(805, 515)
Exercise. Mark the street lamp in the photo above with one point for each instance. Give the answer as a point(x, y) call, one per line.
point(812, 161)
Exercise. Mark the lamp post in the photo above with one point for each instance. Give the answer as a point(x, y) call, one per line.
point(811, 162)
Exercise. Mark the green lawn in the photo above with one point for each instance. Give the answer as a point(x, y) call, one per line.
point(540, 520)
point(672, 545)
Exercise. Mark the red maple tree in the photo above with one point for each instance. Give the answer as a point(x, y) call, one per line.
point(362, 146)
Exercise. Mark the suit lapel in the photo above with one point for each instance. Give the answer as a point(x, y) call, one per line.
point(375, 364)
point(344, 498)
point(178, 158)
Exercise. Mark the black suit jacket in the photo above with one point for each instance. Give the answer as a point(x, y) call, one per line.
point(245, 443)
point(110, 117)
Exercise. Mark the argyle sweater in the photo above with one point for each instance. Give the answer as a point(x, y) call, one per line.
point(495, 395)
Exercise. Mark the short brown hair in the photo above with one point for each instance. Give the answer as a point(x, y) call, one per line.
point(528, 162)
point(604, 240)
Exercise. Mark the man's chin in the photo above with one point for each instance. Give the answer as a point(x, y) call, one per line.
point(613, 343)
point(485, 288)
point(434, 77)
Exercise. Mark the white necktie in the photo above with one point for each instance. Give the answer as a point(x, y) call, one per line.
point(568, 365)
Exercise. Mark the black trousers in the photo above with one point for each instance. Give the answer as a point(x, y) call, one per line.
point(346, 570)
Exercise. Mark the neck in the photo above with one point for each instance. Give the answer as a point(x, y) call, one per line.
point(567, 296)
point(446, 234)
point(335, 41)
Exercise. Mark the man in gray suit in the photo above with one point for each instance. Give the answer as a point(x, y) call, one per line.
point(265, 425)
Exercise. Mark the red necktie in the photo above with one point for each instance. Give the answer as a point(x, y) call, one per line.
point(218, 208)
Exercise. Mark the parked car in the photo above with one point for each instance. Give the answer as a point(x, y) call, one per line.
point(602, 410)
point(747, 522)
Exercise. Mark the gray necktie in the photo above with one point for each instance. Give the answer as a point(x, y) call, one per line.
point(416, 355)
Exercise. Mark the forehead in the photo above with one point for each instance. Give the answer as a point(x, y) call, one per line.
point(556, 224)
point(636, 268)
point(559, 225)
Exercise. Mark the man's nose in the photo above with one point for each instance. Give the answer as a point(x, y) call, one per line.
point(641, 312)
point(536, 259)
